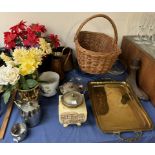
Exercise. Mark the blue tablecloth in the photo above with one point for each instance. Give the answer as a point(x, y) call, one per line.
point(50, 130)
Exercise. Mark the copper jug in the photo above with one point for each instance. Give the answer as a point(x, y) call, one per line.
point(57, 66)
point(66, 54)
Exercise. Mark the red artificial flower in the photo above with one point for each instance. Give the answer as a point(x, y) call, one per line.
point(11, 45)
point(38, 28)
point(9, 39)
point(22, 25)
point(18, 28)
point(31, 38)
point(23, 34)
point(54, 40)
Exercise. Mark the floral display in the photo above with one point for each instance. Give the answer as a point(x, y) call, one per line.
point(28, 36)
point(20, 71)
point(27, 60)
point(27, 48)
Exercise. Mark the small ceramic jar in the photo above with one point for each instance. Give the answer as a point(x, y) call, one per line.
point(72, 109)
point(49, 82)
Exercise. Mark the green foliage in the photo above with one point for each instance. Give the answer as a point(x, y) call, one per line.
point(26, 84)
point(31, 83)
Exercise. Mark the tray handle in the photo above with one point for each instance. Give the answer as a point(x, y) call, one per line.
point(137, 136)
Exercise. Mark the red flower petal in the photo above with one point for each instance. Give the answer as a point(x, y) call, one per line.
point(54, 40)
point(31, 38)
point(11, 45)
point(22, 25)
point(19, 27)
point(38, 28)
point(9, 37)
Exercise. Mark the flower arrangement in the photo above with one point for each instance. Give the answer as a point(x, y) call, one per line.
point(28, 48)
point(20, 70)
point(28, 36)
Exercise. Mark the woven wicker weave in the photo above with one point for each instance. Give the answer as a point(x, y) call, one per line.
point(96, 52)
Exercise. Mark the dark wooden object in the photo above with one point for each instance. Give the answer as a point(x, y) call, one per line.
point(132, 79)
point(7, 116)
point(146, 75)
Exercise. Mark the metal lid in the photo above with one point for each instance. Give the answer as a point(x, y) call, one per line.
point(72, 99)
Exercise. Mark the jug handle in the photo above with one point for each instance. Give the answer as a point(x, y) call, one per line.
point(67, 54)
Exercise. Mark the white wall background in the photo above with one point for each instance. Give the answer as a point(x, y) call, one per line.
point(66, 24)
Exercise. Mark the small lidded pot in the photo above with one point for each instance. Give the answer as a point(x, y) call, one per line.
point(72, 99)
point(19, 132)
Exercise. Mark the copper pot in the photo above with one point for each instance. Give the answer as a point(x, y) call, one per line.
point(57, 66)
point(66, 54)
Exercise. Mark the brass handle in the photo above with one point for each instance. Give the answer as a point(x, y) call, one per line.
point(67, 58)
point(99, 15)
point(68, 55)
point(137, 136)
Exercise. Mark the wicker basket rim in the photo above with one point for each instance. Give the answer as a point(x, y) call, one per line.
point(99, 33)
point(98, 53)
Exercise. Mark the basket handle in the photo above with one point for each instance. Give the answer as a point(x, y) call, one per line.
point(99, 15)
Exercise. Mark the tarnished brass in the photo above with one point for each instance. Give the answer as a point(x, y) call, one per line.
point(116, 108)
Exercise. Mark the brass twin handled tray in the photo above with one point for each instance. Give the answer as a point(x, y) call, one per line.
point(116, 108)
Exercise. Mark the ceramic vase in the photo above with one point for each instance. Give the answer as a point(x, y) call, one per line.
point(29, 95)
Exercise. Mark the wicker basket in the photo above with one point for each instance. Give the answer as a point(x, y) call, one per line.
point(96, 52)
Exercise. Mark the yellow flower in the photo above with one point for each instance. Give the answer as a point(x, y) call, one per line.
point(45, 47)
point(5, 58)
point(19, 55)
point(26, 69)
point(27, 59)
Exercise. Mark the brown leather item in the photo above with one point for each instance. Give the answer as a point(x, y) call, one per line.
point(146, 75)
